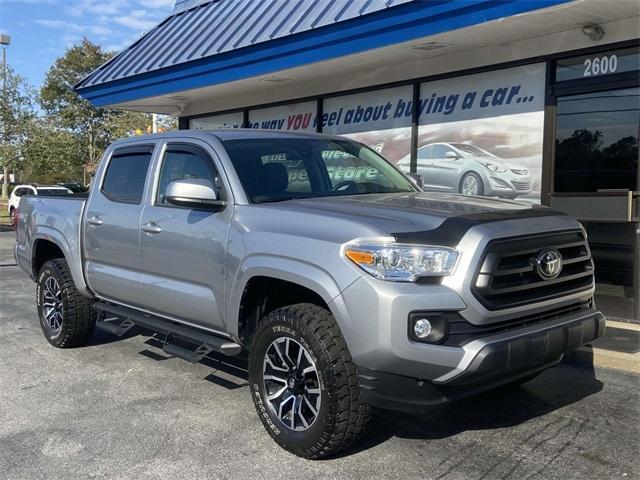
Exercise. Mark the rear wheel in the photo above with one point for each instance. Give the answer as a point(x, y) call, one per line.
point(303, 382)
point(66, 317)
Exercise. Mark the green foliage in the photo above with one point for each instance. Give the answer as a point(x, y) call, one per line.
point(51, 154)
point(16, 113)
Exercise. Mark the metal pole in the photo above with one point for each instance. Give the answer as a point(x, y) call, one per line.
point(5, 163)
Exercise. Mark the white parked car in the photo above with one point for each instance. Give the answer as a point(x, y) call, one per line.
point(31, 189)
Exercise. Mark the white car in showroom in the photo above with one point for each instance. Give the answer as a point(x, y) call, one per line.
point(469, 170)
point(31, 189)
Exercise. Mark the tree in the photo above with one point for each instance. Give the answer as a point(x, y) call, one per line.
point(49, 153)
point(16, 113)
point(95, 128)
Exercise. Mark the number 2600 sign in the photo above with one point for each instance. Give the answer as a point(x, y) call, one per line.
point(600, 65)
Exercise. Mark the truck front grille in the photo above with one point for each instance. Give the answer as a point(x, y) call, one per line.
point(508, 276)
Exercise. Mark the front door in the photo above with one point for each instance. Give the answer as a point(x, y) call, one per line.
point(444, 170)
point(183, 249)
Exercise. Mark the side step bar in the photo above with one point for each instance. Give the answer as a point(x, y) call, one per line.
point(204, 342)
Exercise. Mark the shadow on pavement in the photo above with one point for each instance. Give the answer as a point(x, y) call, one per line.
point(507, 406)
point(100, 337)
point(5, 228)
point(504, 407)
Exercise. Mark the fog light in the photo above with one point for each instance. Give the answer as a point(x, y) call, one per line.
point(429, 327)
point(422, 328)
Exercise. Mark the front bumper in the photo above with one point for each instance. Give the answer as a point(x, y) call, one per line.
point(487, 363)
point(508, 185)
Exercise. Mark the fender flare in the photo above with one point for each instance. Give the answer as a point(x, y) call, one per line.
point(74, 260)
point(288, 269)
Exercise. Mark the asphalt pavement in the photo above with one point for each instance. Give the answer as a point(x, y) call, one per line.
point(122, 409)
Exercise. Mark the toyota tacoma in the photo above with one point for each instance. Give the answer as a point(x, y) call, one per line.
point(345, 284)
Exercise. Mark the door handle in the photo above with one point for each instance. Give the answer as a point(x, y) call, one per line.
point(94, 220)
point(151, 227)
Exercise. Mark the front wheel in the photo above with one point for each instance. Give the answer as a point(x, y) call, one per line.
point(471, 184)
point(66, 317)
point(13, 217)
point(303, 382)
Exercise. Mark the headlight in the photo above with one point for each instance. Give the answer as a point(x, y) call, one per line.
point(399, 262)
point(493, 167)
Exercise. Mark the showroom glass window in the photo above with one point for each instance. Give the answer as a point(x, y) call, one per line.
point(597, 141)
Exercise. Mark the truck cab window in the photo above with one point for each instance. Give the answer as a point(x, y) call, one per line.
point(126, 175)
point(184, 162)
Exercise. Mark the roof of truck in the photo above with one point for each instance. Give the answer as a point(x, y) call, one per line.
point(226, 134)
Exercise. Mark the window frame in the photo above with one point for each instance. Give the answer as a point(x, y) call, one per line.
point(118, 152)
point(166, 148)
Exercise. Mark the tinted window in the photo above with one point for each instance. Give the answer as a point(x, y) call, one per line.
point(597, 141)
point(278, 169)
point(20, 192)
point(184, 162)
point(126, 175)
point(597, 64)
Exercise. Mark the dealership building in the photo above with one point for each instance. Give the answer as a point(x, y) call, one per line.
point(542, 96)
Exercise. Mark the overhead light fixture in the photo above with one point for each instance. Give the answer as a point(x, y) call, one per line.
point(593, 31)
point(430, 46)
point(275, 79)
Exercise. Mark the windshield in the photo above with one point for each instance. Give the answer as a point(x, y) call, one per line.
point(471, 150)
point(276, 169)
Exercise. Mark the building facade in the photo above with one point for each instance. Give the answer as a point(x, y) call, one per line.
point(533, 100)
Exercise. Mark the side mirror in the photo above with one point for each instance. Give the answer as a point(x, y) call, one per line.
point(416, 178)
point(194, 193)
point(452, 155)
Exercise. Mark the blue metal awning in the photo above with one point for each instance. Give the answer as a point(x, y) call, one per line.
point(220, 41)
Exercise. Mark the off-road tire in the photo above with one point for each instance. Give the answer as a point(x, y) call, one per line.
point(78, 317)
point(342, 416)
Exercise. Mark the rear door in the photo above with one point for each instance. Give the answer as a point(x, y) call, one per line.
point(112, 225)
point(183, 248)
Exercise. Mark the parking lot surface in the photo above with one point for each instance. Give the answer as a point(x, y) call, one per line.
point(120, 408)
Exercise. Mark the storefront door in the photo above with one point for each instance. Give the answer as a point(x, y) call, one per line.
point(596, 99)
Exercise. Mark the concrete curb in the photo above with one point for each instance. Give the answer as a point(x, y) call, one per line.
point(599, 357)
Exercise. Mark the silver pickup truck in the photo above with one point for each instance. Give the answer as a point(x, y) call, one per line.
point(348, 286)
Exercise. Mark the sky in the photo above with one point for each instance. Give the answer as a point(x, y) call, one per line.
point(41, 30)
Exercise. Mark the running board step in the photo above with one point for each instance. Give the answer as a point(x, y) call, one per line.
point(193, 356)
point(115, 325)
point(206, 341)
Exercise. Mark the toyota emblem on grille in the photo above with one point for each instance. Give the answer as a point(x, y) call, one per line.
point(548, 264)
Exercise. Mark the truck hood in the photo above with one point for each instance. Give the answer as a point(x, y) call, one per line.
point(399, 213)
